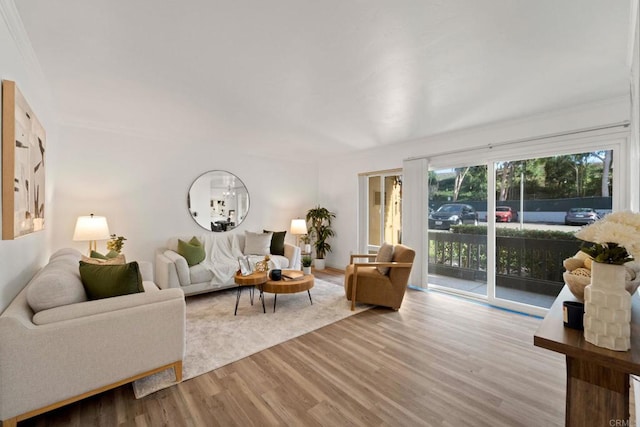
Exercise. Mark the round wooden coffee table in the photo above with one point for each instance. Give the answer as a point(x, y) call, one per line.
point(298, 283)
point(253, 279)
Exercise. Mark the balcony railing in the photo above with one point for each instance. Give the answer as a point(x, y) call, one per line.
point(524, 263)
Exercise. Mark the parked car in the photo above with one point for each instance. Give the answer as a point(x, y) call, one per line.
point(581, 216)
point(506, 214)
point(452, 214)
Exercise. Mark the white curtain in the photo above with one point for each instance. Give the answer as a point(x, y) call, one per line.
point(414, 215)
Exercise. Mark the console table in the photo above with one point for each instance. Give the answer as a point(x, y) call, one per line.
point(597, 378)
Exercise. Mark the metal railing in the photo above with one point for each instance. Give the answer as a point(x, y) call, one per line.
point(528, 264)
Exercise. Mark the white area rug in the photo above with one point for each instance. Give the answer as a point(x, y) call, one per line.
point(215, 337)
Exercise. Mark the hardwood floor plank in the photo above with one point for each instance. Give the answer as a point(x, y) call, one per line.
point(438, 361)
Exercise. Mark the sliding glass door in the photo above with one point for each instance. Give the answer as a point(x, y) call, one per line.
point(457, 232)
point(384, 209)
point(502, 236)
point(540, 202)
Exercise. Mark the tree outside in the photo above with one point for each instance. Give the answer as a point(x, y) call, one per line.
point(555, 177)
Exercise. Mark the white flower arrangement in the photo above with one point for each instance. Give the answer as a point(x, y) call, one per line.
point(615, 238)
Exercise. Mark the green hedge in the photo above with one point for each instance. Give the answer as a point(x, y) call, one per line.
point(514, 232)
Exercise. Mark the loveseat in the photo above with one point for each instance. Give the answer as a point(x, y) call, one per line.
point(57, 347)
point(217, 270)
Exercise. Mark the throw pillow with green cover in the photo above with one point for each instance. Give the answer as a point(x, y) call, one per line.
point(192, 251)
point(105, 281)
point(98, 255)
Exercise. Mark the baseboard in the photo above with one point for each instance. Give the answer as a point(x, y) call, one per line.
point(331, 270)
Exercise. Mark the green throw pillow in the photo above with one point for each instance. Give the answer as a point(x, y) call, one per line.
point(97, 255)
point(109, 255)
point(104, 281)
point(192, 251)
point(112, 254)
point(277, 242)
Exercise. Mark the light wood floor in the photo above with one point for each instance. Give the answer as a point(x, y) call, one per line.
point(438, 361)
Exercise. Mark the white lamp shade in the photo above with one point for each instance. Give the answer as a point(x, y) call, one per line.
point(91, 228)
point(298, 226)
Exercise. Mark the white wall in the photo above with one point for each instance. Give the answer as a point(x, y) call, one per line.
point(634, 50)
point(21, 258)
point(141, 186)
point(338, 181)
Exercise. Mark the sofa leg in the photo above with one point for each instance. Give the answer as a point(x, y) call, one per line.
point(177, 369)
point(10, 422)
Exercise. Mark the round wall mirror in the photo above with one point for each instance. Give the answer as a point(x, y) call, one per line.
point(218, 201)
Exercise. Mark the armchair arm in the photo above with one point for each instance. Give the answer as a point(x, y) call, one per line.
point(382, 264)
point(293, 253)
point(372, 264)
point(352, 256)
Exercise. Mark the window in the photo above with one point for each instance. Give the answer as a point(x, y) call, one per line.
point(384, 209)
point(528, 206)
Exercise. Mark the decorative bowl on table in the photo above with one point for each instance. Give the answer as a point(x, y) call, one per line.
point(576, 283)
point(577, 279)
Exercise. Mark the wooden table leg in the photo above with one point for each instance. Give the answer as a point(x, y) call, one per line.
point(596, 395)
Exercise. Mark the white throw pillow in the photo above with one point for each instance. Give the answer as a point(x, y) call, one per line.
point(257, 243)
point(385, 254)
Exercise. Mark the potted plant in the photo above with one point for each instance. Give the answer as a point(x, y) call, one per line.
point(319, 220)
point(306, 264)
point(116, 243)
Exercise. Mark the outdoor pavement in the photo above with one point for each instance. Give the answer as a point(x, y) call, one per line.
point(481, 289)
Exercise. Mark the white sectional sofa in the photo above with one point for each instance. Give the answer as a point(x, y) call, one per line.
point(216, 272)
point(73, 348)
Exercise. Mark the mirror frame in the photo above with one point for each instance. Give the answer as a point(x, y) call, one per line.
point(228, 215)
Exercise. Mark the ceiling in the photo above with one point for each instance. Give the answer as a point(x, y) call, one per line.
point(307, 76)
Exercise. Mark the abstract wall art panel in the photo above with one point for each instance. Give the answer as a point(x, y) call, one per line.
point(23, 165)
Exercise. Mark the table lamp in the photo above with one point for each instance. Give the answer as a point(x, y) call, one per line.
point(298, 228)
point(91, 228)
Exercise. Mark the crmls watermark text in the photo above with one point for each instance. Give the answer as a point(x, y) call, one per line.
point(619, 423)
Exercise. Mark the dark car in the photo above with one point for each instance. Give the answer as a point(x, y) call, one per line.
point(581, 216)
point(505, 214)
point(452, 214)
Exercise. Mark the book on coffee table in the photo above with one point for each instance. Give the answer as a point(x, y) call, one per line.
point(292, 275)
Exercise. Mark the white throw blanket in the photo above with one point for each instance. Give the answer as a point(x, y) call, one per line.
point(223, 252)
point(222, 261)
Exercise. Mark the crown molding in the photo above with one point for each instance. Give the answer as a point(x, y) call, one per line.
point(16, 28)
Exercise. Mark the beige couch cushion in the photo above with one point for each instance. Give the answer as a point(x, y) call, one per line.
point(385, 254)
point(199, 273)
point(257, 243)
point(117, 260)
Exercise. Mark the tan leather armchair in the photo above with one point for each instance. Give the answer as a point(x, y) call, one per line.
point(364, 283)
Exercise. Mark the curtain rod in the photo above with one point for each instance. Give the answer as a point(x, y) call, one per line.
point(489, 146)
